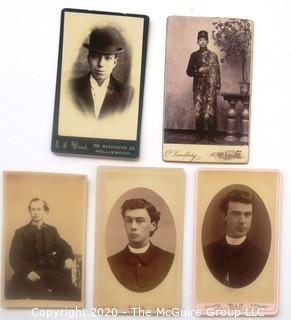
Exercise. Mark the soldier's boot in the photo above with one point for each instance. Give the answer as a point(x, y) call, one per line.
point(212, 130)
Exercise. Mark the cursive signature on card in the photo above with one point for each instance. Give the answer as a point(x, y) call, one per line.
point(189, 156)
point(77, 146)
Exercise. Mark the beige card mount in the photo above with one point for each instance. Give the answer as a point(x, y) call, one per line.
point(207, 89)
point(139, 223)
point(237, 242)
point(44, 224)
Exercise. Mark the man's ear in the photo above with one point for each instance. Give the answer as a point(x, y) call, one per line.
point(154, 225)
point(115, 61)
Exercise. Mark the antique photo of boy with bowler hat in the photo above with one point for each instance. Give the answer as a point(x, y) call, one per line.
point(100, 83)
point(98, 94)
point(207, 89)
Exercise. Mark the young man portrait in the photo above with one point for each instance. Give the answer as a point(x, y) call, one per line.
point(204, 67)
point(141, 265)
point(98, 93)
point(235, 260)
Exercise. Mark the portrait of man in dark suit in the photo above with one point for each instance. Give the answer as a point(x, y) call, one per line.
point(98, 93)
point(235, 260)
point(41, 260)
point(140, 266)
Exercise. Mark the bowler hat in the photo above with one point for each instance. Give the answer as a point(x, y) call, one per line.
point(202, 34)
point(104, 40)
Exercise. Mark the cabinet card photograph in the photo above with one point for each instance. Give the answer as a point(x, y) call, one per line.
point(139, 234)
point(100, 81)
point(237, 242)
point(44, 223)
point(207, 89)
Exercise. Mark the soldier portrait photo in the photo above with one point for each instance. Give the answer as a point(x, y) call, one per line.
point(44, 239)
point(141, 265)
point(204, 67)
point(207, 89)
point(238, 255)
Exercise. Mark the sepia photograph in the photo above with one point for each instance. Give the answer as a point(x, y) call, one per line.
point(44, 239)
point(137, 262)
point(207, 89)
point(237, 240)
point(100, 83)
point(142, 263)
point(236, 236)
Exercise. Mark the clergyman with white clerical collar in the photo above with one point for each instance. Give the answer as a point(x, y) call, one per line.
point(234, 260)
point(141, 265)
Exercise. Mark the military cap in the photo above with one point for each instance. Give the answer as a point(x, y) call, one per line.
point(202, 34)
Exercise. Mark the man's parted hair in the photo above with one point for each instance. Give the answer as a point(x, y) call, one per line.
point(45, 205)
point(236, 196)
point(140, 203)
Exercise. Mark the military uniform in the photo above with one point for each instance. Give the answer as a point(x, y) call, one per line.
point(234, 266)
point(205, 87)
point(141, 272)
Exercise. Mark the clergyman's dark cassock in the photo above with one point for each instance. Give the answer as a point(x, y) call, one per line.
point(44, 252)
point(141, 272)
point(235, 266)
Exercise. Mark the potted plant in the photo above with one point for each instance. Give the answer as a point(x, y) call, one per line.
point(233, 37)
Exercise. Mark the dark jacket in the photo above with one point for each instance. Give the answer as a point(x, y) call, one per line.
point(117, 98)
point(204, 58)
point(25, 256)
point(235, 266)
point(141, 272)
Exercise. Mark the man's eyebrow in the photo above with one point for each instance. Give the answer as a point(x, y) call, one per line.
point(134, 217)
point(236, 211)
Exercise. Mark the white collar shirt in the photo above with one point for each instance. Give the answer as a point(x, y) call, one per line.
point(98, 94)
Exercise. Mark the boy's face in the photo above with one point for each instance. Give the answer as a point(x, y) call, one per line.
point(202, 42)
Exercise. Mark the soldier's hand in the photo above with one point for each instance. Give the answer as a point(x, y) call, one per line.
point(203, 69)
point(69, 264)
point(217, 92)
point(33, 276)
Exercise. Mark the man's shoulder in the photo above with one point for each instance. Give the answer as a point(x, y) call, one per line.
point(212, 53)
point(215, 249)
point(76, 83)
point(255, 250)
point(117, 257)
point(28, 227)
point(123, 89)
point(154, 251)
point(161, 253)
point(195, 53)
point(215, 245)
point(23, 229)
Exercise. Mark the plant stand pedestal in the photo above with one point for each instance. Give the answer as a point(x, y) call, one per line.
point(233, 99)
